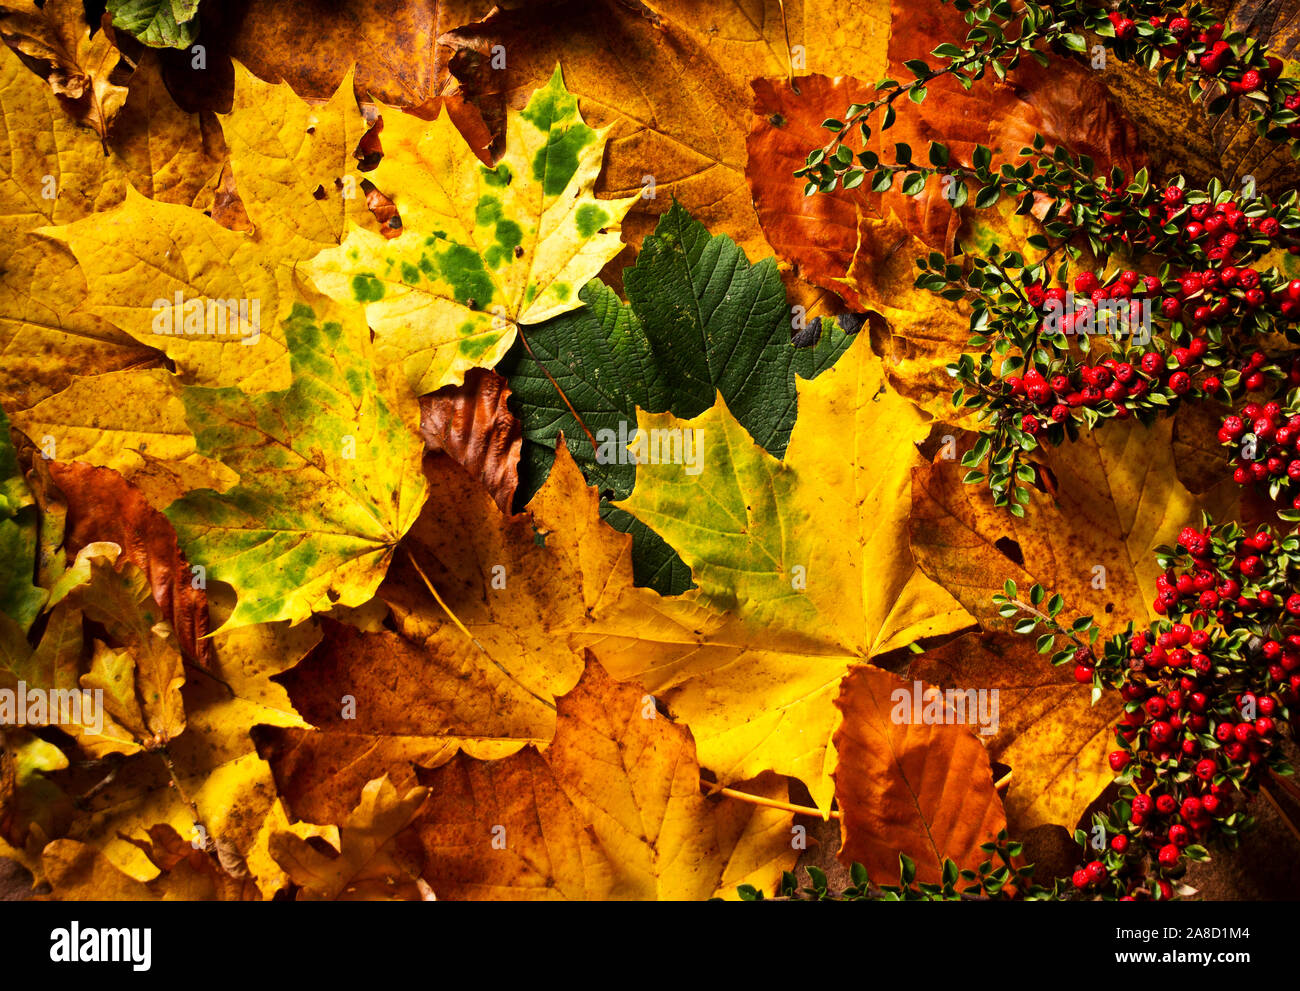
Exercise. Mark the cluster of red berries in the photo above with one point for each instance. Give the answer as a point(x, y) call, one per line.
point(1267, 441)
point(1109, 380)
point(1228, 296)
point(1220, 231)
point(1205, 699)
point(1216, 58)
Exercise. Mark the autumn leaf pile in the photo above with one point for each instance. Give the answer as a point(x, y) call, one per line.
point(320, 363)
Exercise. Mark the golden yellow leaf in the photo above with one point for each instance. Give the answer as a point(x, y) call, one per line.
point(166, 153)
point(1114, 498)
point(612, 809)
point(801, 567)
point(293, 162)
point(132, 422)
point(672, 80)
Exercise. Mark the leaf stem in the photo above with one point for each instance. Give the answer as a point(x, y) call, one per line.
point(771, 803)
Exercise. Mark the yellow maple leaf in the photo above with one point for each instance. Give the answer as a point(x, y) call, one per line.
point(482, 250)
point(802, 571)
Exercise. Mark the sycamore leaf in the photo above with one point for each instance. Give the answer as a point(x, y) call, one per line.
point(51, 170)
point(364, 31)
point(1048, 731)
point(801, 568)
point(671, 78)
point(158, 23)
point(293, 162)
point(519, 585)
point(374, 859)
point(162, 149)
point(329, 479)
point(473, 423)
point(482, 250)
point(213, 298)
point(83, 68)
point(144, 257)
point(549, 852)
point(20, 598)
point(611, 810)
point(46, 337)
point(132, 422)
point(908, 787)
point(1115, 497)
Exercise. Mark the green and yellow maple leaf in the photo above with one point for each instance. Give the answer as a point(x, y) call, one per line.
point(482, 250)
point(329, 478)
point(802, 568)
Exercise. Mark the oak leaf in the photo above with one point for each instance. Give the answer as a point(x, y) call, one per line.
point(213, 773)
point(375, 859)
point(83, 67)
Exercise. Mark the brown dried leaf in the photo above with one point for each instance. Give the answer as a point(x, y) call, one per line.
point(104, 506)
point(473, 424)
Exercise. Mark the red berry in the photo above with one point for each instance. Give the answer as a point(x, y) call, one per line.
point(1080, 879)
point(1169, 856)
point(1118, 760)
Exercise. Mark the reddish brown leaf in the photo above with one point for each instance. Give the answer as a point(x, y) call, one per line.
point(923, 790)
point(102, 505)
point(472, 423)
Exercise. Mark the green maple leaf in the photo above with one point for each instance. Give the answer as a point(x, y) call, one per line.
point(157, 23)
point(701, 320)
point(329, 479)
